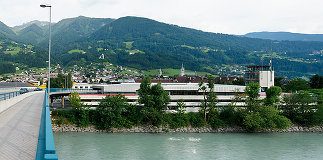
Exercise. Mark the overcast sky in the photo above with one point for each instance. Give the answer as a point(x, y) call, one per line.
point(220, 16)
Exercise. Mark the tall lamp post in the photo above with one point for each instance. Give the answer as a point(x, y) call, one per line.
point(49, 44)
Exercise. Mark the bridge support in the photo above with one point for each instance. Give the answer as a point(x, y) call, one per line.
point(63, 103)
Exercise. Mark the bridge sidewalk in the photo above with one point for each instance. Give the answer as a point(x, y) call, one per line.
point(19, 128)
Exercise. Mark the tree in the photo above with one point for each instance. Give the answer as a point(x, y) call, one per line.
point(296, 85)
point(110, 110)
point(252, 92)
point(80, 111)
point(209, 97)
point(240, 81)
point(299, 108)
point(144, 91)
point(265, 117)
point(75, 100)
point(155, 100)
point(62, 81)
point(180, 107)
point(316, 82)
point(160, 98)
point(278, 81)
point(272, 95)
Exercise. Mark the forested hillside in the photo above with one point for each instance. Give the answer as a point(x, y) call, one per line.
point(147, 44)
point(17, 53)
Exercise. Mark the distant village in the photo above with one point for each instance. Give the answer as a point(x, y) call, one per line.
point(113, 74)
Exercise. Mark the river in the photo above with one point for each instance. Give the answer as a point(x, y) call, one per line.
point(189, 146)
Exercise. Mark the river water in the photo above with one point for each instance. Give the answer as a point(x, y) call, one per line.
point(189, 146)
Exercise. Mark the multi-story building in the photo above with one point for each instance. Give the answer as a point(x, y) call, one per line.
point(188, 92)
point(262, 74)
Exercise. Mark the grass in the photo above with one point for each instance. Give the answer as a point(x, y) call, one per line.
point(38, 71)
point(190, 47)
point(14, 50)
point(205, 50)
point(99, 49)
point(76, 51)
point(19, 71)
point(134, 51)
point(171, 72)
point(128, 44)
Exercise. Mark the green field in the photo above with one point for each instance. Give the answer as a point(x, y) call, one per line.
point(99, 49)
point(190, 47)
point(128, 44)
point(134, 51)
point(13, 50)
point(76, 51)
point(172, 72)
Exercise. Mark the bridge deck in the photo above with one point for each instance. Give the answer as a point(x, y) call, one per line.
point(19, 128)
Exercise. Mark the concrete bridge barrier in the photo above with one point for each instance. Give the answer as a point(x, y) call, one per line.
point(5, 104)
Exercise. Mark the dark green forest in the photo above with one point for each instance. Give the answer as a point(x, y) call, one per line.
point(6, 68)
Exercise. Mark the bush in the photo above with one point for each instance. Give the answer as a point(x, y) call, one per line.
point(82, 118)
point(178, 120)
point(110, 113)
point(134, 114)
point(298, 107)
point(196, 119)
point(282, 122)
point(64, 116)
point(318, 115)
point(266, 117)
point(253, 122)
point(232, 117)
point(214, 119)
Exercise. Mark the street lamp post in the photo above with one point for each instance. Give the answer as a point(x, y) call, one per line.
point(49, 44)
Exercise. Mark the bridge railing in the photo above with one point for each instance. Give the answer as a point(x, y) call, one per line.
point(5, 96)
point(70, 90)
point(46, 145)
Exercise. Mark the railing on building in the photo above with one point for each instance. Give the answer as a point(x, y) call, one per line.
point(46, 146)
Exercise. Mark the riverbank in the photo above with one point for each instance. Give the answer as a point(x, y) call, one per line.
point(205, 129)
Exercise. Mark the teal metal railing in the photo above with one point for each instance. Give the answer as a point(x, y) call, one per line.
point(5, 96)
point(69, 90)
point(46, 146)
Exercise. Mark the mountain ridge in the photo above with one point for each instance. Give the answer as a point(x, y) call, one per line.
point(144, 43)
point(281, 36)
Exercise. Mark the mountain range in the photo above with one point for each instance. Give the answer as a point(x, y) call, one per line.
point(285, 36)
point(144, 43)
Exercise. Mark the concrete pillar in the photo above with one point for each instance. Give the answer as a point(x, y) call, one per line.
point(51, 101)
point(63, 102)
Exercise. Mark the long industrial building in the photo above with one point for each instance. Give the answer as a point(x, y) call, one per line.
point(189, 92)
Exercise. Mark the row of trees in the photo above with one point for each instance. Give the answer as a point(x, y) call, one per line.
point(62, 81)
point(297, 84)
point(302, 108)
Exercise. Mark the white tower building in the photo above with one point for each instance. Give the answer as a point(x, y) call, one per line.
point(182, 71)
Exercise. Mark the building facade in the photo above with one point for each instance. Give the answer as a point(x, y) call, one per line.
point(264, 75)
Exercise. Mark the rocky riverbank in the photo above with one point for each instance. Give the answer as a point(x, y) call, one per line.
point(154, 129)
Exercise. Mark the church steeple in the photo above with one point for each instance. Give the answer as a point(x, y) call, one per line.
point(182, 71)
point(160, 73)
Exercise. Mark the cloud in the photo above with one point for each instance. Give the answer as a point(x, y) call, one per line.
point(222, 16)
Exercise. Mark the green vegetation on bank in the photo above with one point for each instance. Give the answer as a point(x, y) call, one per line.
point(303, 108)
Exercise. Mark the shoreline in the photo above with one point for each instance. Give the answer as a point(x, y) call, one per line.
point(189, 129)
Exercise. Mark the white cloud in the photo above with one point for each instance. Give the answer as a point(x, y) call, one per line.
point(223, 16)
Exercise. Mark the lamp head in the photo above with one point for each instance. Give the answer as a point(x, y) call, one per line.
point(45, 5)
